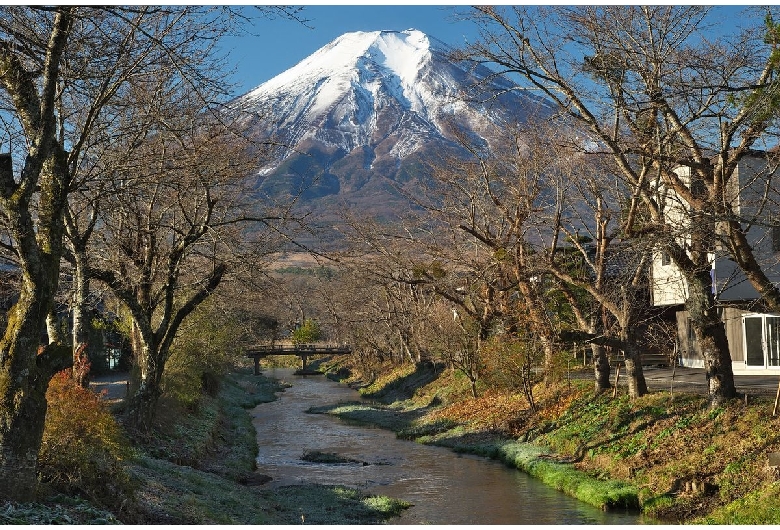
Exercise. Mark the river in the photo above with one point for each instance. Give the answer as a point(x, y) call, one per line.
point(444, 487)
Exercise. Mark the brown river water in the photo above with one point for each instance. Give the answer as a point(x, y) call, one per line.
point(444, 487)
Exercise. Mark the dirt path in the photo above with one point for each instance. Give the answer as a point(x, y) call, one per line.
point(694, 380)
point(112, 386)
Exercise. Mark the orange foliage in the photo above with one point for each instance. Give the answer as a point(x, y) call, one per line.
point(552, 409)
point(491, 410)
point(83, 446)
point(507, 412)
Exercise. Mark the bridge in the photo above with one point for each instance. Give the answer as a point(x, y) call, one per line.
point(304, 351)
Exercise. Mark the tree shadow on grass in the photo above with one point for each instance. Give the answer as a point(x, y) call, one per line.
point(405, 387)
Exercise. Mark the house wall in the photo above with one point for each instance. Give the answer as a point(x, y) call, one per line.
point(689, 349)
point(668, 286)
point(758, 203)
point(690, 354)
point(732, 319)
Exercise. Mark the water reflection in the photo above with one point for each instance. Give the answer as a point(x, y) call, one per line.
point(445, 488)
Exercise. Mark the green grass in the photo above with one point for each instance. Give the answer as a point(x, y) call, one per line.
point(59, 510)
point(758, 507)
point(603, 494)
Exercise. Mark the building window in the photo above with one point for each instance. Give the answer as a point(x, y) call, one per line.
point(776, 237)
point(761, 340)
point(665, 258)
point(691, 333)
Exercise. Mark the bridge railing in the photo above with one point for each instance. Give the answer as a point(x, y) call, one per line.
point(291, 348)
point(301, 350)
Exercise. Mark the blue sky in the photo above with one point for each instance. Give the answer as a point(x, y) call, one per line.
point(280, 44)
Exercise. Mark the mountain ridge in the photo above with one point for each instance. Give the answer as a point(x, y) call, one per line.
point(370, 113)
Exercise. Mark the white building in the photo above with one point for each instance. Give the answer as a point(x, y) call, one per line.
point(753, 334)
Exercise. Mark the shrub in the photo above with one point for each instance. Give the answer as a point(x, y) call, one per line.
point(508, 364)
point(83, 447)
point(205, 348)
point(307, 332)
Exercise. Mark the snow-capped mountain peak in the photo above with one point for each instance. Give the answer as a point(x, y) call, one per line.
point(368, 108)
point(334, 67)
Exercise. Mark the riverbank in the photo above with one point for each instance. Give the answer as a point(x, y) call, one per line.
point(668, 455)
point(671, 456)
point(199, 468)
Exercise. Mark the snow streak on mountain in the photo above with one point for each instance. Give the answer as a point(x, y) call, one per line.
point(366, 114)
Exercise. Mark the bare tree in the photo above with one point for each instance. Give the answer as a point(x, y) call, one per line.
point(169, 229)
point(62, 69)
point(592, 251)
point(394, 313)
point(34, 237)
point(386, 311)
point(499, 206)
point(656, 93)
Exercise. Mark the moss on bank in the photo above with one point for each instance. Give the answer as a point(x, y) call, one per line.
point(534, 460)
point(604, 494)
point(673, 457)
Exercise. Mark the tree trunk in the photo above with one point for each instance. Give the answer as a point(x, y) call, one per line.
point(25, 365)
point(630, 305)
point(601, 369)
point(710, 334)
point(53, 328)
point(23, 406)
point(81, 364)
point(143, 402)
point(25, 371)
point(637, 386)
point(21, 439)
point(406, 350)
point(550, 373)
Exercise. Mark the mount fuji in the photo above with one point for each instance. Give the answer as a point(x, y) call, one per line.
point(367, 115)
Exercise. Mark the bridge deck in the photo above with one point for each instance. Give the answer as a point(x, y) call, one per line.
point(295, 350)
point(301, 350)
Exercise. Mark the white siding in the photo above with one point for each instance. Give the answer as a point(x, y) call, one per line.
point(759, 208)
